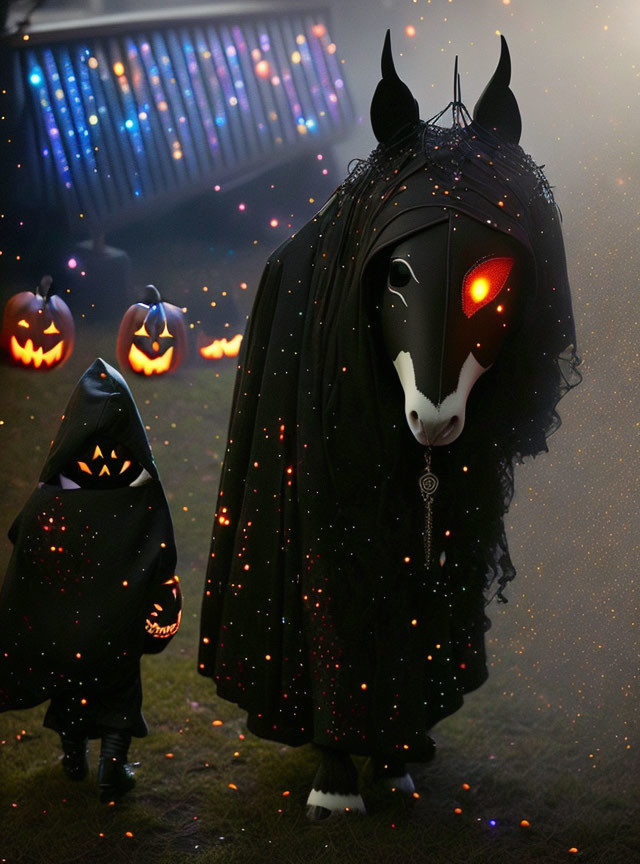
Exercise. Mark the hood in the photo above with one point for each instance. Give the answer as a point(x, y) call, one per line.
point(100, 403)
point(434, 171)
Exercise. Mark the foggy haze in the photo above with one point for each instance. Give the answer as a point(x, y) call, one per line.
point(569, 635)
point(568, 638)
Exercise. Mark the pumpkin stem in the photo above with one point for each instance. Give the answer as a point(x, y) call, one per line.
point(152, 295)
point(44, 288)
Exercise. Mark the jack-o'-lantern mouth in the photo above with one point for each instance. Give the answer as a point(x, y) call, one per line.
point(140, 362)
point(222, 348)
point(30, 356)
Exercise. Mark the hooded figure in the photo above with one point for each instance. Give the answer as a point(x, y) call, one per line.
point(344, 600)
point(90, 585)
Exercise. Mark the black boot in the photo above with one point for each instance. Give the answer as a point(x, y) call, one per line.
point(115, 776)
point(75, 763)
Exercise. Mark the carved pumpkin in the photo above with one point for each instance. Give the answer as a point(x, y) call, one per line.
point(103, 463)
point(163, 620)
point(37, 328)
point(219, 348)
point(152, 339)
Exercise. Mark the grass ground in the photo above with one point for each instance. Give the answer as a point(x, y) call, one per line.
point(209, 791)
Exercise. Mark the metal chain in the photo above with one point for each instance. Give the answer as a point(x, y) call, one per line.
point(428, 484)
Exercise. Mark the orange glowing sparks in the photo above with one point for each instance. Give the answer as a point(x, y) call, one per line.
point(410, 31)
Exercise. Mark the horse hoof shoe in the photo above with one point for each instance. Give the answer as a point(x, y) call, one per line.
point(318, 814)
point(333, 803)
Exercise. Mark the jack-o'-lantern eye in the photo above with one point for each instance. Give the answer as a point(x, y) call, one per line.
point(483, 282)
point(141, 331)
point(165, 332)
point(23, 323)
point(97, 453)
point(114, 454)
point(84, 468)
point(51, 329)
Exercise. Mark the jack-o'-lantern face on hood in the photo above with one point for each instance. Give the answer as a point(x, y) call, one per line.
point(102, 463)
point(101, 443)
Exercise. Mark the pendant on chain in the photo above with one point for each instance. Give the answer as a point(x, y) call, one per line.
point(428, 484)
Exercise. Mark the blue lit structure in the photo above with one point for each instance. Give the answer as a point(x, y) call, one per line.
point(126, 113)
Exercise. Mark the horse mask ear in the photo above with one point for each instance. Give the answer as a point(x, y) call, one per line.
point(497, 108)
point(393, 107)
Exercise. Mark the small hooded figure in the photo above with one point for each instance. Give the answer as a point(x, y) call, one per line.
point(91, 584)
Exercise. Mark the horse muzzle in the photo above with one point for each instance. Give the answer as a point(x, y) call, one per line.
point(436, 425)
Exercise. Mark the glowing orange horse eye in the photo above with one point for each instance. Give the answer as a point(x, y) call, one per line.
point(483, 283)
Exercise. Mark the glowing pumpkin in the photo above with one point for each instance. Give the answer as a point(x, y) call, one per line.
point(152, 339)
point(163, 619)
point(222, 348)
point(37, 328)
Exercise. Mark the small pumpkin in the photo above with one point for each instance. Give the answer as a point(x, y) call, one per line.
point(152, 339)
point(37, 328)
point(163, 619)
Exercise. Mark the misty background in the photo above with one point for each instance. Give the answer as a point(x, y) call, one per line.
point(567, 641)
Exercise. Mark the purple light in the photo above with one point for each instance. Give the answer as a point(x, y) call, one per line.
point(72, 263)
point(231, 73)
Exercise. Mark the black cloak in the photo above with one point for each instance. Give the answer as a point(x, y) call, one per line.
point(319, 616)
point(90, 586)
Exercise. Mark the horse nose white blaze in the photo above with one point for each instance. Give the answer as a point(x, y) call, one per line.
point(436, 425)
